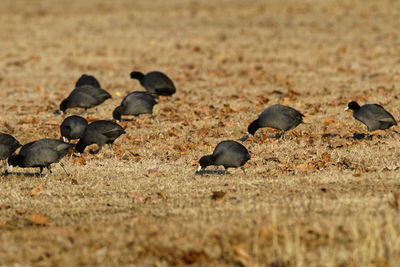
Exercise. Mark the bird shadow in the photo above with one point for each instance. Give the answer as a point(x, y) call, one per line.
point(25, 174)
point(330, 135)
point(276, 136)
point(217, 172)
point(360, 136)
point(244, 138)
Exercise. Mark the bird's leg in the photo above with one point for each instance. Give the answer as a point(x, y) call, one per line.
point(5, 167)
point(282, 135)
point(226, 171)
point(369, 135)
point(40, 171)
point(244, 171)
point(110, 146)
point(48, 171)
point(155, 118)
point(62, 165)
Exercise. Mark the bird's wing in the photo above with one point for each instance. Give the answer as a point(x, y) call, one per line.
point(381, 113)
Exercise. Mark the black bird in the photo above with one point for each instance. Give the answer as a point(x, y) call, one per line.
point(41, 154)
point(155, 82)
point(87, 80)
point(277, 116)
point(135, 103)
point(85, 96)
point(374, 116)
point(73, 127)
point(228, 153)
point(8, 144)
point(99, 132)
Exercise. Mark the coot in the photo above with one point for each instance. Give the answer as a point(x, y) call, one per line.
point(374, 116)
point(85, 96)
point(8, 144)
point(41, 154)
point(277, 116)
point(228, 153)
point(135, 103)
point(99, 132)
point(73, 127)
point(155, 82)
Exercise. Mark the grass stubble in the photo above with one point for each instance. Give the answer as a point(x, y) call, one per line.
point(316, 198)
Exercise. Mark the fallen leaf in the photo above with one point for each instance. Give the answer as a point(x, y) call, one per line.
point(3, 223)
point(326, 157)
point(91, 119)
point(79, 160)
point(203, 131)
point(21, 212)
point(154, 173)
point(161, 194)
point(337, 143)
point(135, 195)
point(5, 207)
point(218, 195)
point(241, 254)
point(394, 202)
point(37, 190)
point(39, 219)
point(74, 181)
point(194, 257)
point(304, 167)
point(52, 122)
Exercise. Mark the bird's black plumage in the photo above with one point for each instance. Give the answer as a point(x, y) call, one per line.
point(135, 103)
point(41, 154)
point(73, 127)
point(85, 96)
point(155, 82)
point(87, 80)
point(374, 116)
point(277, 116)
point(228, 153)
point(99, 132)
point(8, 145)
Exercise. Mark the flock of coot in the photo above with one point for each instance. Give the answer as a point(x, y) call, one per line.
point(88, 93)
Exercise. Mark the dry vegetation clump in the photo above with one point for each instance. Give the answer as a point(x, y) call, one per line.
point(320, 197)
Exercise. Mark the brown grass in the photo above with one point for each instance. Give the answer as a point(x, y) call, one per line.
point(317, 198)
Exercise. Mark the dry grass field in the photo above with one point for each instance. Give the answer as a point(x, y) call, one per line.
point(319, 197)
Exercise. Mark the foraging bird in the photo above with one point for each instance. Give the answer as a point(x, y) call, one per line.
point(85, 96)
point(135, 103)
point(87, 80)
point(73, 127)
point(277, 116)
point(8, 144)
point(228, 153)
point(374, 116)
point(155, 82)
point(41, 154)
point(99, 132)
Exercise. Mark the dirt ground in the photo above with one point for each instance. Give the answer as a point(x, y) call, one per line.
point(319, 197)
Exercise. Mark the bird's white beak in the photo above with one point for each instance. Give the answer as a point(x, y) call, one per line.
point(346, 108)
point(10, 167)
point(199, 168)
point(65, 139)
